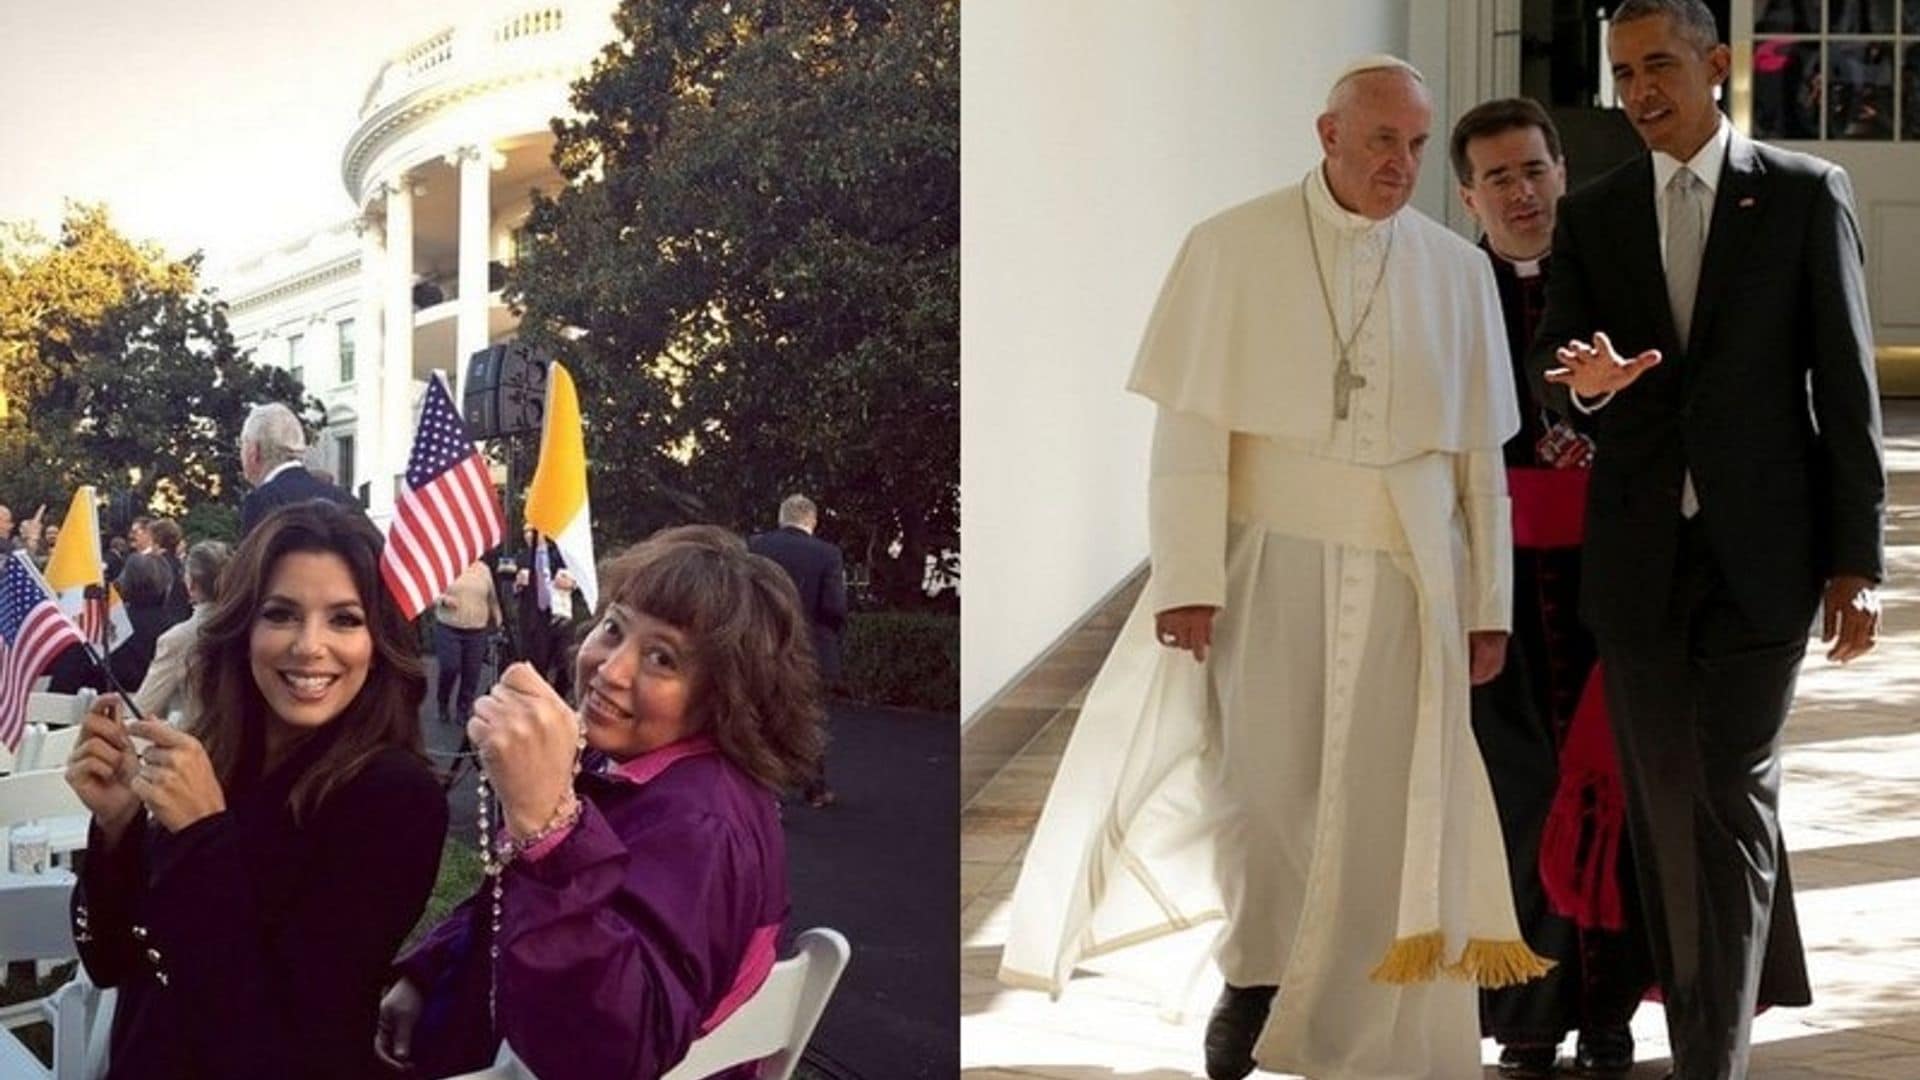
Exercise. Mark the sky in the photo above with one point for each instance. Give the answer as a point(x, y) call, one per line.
point(208, 125)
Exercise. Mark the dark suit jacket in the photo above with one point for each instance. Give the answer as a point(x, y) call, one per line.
point(814, 565)
point(1771, 404)
point(292, 486)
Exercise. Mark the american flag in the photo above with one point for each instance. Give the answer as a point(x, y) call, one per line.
point(449, 515)
point(32, 633)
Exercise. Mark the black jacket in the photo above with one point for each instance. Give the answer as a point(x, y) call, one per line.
point(817, 573)
point(292, 486)
point(246, 946)
point(1771, 404)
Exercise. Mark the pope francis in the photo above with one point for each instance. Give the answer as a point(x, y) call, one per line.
point(1280, 736)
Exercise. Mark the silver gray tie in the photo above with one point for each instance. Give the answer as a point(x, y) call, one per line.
point(1686, 240)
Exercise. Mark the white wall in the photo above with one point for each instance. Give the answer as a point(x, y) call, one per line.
point(1093, 134)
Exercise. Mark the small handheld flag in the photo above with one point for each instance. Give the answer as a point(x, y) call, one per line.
point(32, 633)
point(557, 503)
point(449, 515)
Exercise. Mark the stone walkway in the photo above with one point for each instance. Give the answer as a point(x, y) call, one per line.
point(1851, 811)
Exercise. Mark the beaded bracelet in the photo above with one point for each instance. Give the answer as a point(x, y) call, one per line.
point(565, 816)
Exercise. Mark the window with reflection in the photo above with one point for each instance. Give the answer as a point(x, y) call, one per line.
point(1786, 17)
point(1836, 69)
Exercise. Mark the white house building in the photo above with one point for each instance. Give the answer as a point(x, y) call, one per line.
point(453, 138)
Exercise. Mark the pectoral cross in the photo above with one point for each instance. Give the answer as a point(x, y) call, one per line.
point(1345, 382)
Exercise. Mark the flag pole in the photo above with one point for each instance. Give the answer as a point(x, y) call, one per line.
point(99, 663)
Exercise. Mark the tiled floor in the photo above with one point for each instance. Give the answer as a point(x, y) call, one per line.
point(1851, 810)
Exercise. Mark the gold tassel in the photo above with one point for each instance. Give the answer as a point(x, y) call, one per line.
point(1413, 959)
point(1496, 964)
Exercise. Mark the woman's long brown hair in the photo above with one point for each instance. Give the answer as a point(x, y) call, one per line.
point(234, 714)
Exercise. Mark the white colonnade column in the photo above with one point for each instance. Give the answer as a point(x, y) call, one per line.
point(396, 360)
point(476, 214)
point(366, 356)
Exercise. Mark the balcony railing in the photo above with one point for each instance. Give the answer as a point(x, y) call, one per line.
point(529, 35)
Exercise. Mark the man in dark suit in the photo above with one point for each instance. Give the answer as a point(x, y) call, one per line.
point(817, 573)
point(272, 443)
point(1708, 310)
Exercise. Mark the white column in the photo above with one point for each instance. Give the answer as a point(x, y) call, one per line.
point(396, 368)
point(367, 337)
point(476, 212)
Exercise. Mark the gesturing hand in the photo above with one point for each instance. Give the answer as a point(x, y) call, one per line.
point(1189, 628)
point(526, 735)
point(101, 768)
point(174, 777)
point(1596, 370)
point(1850, 617)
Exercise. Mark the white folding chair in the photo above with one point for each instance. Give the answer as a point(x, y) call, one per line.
point(44, 747)
point(34, 927)
point(772, 1027)
point(43, 795)
point(58, 710)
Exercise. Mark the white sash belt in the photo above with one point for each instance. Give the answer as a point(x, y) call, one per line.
point(1314, 498)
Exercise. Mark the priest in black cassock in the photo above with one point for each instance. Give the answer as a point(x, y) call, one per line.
point(1507, 158)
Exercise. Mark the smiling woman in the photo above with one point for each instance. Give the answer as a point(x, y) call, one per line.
point(646, 879)
point(247, 881)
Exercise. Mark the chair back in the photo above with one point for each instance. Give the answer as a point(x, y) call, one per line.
point(58, 710)
point(772, 1027)
point(30, 796)
point(45, 747)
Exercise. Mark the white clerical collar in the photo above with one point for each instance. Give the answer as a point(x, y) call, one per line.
point(277, 470)
point(1329, 210)
point(1704, 164)
point(1526, 268)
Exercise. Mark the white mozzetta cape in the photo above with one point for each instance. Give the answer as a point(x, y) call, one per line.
point(1240, 333)
point(1240, 336)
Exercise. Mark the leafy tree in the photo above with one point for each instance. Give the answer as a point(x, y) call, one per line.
point(116, 370)
point(754, 270)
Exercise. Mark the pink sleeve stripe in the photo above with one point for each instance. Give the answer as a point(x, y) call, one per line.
point(754, 968)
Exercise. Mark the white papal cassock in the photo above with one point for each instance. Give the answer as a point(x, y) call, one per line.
point(1316, 781)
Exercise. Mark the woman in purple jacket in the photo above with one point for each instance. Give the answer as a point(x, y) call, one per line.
point(645, 885)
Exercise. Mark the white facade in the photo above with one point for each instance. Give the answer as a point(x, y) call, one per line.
point(453, 137)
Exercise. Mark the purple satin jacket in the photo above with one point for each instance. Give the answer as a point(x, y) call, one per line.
point(642, 928)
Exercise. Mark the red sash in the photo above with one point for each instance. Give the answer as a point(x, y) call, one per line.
point(1580, 846)
point(1549, 506)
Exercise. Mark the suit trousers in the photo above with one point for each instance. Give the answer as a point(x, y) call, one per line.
point(1698, 710)
point(459, 655)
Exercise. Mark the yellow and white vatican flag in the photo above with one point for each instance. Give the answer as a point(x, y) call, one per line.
point(557, 504)
point(75, 565)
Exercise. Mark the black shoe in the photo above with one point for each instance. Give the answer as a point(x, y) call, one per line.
point(1234, 1027)
point(1527, 1062)
point(1604, 1052)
